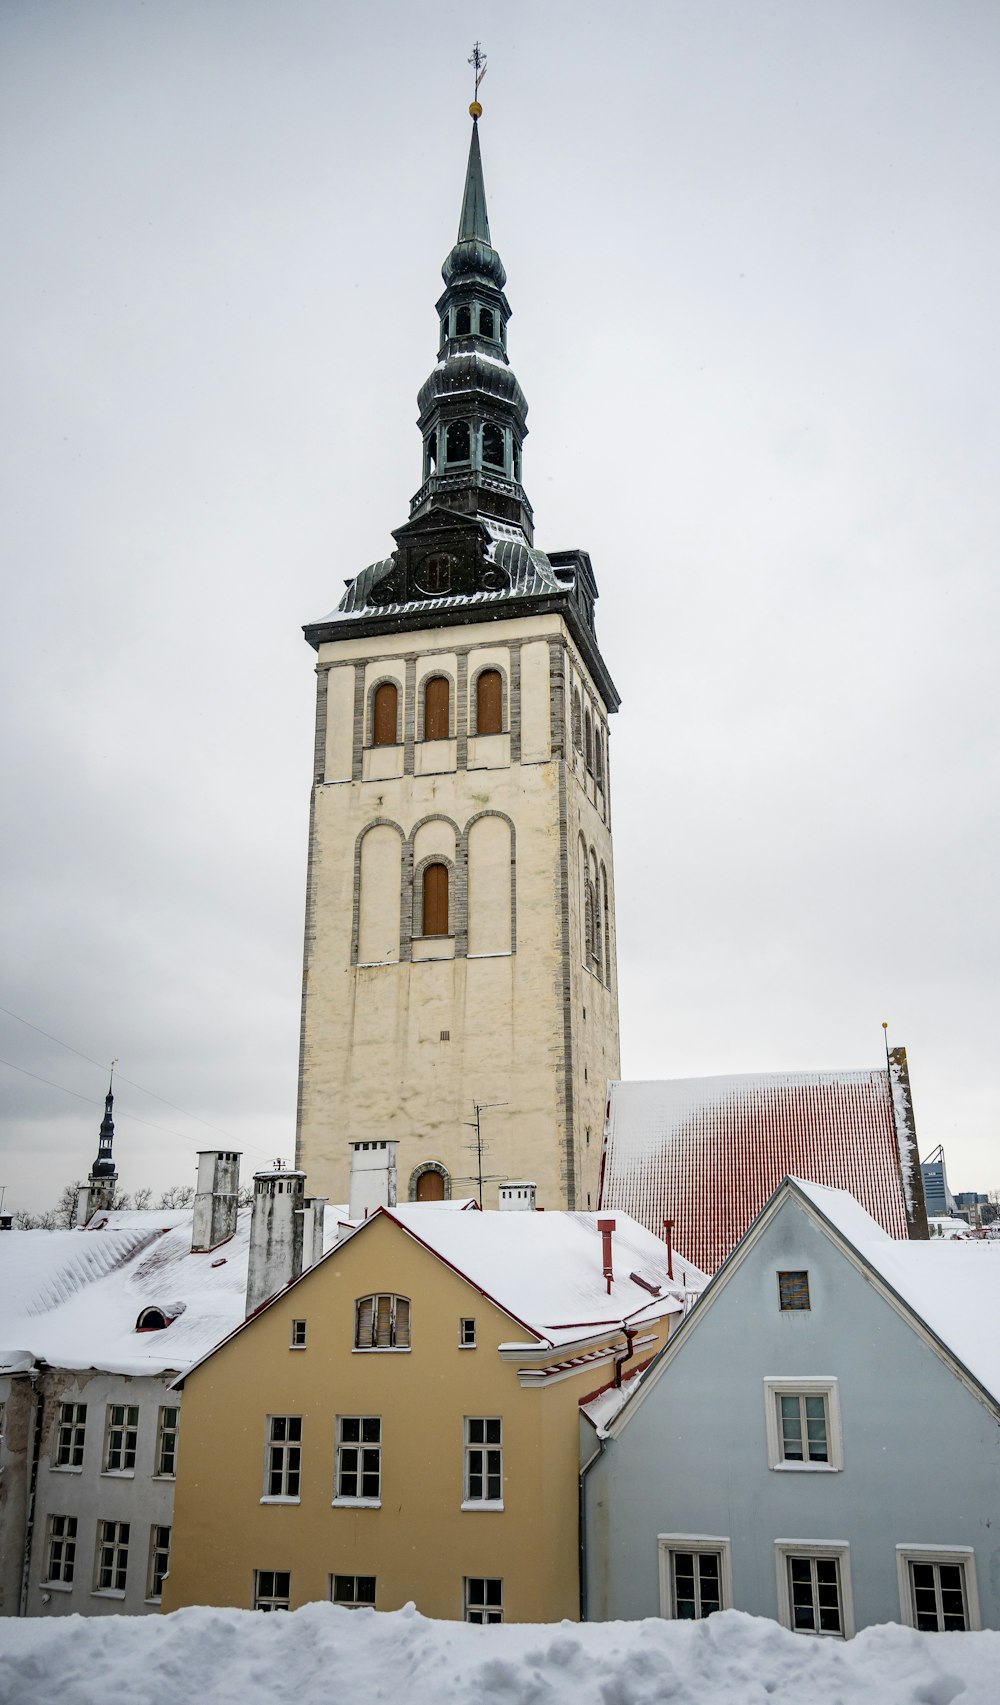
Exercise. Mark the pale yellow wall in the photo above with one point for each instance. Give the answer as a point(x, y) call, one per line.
point(374, 1062)
point(420, 1544)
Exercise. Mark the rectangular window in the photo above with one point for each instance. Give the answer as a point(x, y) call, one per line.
point(359, 1459)
point(814, 1588)
point(112, 1556)
point(467, 1334)
point(272, 1589)
point(298, 1338)
point(483, 1476)
point(937, 1588)
point(159, 1561)
point(803, 1424)
point(793, 1290)
point(61, 1559)
point(166, 1442)
point(695, 1576)
point(483, 1599)
point(122, 1436)
point(354, 1592)
point(283, 1457)
point(72, 1428)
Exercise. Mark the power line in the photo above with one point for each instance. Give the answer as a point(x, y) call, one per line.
point(132, 1117)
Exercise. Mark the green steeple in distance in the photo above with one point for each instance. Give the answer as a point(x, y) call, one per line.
point(474, 222)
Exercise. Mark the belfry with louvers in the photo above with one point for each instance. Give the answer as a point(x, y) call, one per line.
point(460, 919)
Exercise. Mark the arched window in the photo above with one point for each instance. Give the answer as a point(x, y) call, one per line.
point(486, 322)
point(577, 736)
point(430, 455)
point(384, 713)
point(588, 741)
point(489, 702)
point(493, 445)
point(437, 708)
point(516, 457)
point(435, 899)
point(457, 441)
point(599, 755)
point(151, 1320)
point(430, 1186)
point(444, 329)
point(382, 1323)
point(463, 322)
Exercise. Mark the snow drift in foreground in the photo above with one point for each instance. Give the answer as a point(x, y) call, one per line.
point(343, 1657)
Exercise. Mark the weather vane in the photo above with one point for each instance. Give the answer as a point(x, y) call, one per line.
point(477, 59)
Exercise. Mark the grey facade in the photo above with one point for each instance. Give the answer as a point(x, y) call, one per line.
point(914, 1464)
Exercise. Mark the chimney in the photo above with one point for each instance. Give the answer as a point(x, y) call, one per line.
point(313, 1209)
point(373, 1178)
point(606, 1229)
point(906, 1142)
point(668, 1226)
point(518, 1196)
point(276, 1229)
point(215, 1199)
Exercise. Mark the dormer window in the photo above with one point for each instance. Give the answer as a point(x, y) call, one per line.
point(152, 1320)
point(463, 322)
point(457, 441)
point(494, 448)
point(487, 323)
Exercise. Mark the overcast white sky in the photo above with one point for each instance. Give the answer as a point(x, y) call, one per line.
point(753, 257)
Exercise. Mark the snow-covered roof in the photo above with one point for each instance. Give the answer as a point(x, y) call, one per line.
point(952, 1284)
point(709, 1152)
point(546, 1269)
point(72, 1298)
point(529, 575)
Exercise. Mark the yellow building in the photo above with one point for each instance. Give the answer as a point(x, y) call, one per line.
point(402, 1422)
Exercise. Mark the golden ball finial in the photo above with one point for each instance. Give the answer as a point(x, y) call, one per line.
point(885, 1024)
point(475, 110)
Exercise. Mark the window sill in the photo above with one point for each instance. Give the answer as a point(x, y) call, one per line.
point(277, 1499)
point(297, 1346)
point(482, 1504)
point(65, 1468)
point(55, 1586)
point(108, 1592)
point(805, 1468)
point(468, 1346)
point(356, 1504)
point(152, 1601)
point(167, 1478)
point(381, 1350)
point(117, 1473)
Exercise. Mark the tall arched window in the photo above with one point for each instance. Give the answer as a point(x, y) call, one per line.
point(493, 445)
point(384, 712)
point(463, 322)
point(457, 441)
point(577, 735)
point(435, 899)
point(489, 702)
point(437, 708)
point(599, 755)
point(588, 741)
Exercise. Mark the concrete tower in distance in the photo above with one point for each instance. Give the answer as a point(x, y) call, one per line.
point(460, 920)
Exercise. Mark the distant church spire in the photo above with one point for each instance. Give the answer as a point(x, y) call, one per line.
point(474, 223)
point(104, 1166)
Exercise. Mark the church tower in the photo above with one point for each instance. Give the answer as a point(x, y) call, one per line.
point(460, 921)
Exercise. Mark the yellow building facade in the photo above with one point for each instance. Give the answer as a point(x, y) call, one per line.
point(385, 1430)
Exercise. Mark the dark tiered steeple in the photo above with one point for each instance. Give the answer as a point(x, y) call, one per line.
point(104, 1166)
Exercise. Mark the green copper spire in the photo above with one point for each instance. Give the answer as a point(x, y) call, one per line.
point(474, 223)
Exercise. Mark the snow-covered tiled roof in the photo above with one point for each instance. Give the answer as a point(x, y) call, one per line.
point(952, 1284)
point(708, 1152)
point(546, 1269)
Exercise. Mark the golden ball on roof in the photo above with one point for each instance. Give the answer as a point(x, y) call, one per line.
point(475, 110)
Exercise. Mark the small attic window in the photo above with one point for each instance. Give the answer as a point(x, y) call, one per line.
point(486, 323)
point(151, 1320)
point(463, 322)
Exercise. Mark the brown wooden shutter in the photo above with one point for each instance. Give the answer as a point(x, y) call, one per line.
point(436, 899)
point(401, 1331)
point(489, 702)
point(436, 720)
point(383, 1323)
point(384, 715)
point(364, 1309)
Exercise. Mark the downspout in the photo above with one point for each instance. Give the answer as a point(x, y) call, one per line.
point(29, 1522)
point(582, 1524)
point(627, 1357)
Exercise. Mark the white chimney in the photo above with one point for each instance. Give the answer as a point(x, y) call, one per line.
point(276, 1234)
point(373, 1178)
point(214, 1219)
point(313, 1211)
point(518, 1194)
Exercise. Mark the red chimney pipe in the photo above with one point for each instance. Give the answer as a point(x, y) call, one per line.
point(669, 1226)
point(606, 1229)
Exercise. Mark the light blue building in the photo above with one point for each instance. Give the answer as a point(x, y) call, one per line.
point(818, 1443)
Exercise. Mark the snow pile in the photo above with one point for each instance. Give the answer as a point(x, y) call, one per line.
point(342, 1657)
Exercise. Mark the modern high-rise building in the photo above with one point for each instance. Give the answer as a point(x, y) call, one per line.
point(459, 964)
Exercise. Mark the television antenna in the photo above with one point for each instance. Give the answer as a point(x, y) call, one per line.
point(476, 1124)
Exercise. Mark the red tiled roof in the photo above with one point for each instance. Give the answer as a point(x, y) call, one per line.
point(708, 1152)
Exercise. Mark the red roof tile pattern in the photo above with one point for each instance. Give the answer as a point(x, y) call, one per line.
point(708, 1152)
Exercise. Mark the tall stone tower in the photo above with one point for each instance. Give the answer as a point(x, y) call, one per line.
point(460, 919)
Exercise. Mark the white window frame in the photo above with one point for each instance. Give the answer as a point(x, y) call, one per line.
point(668, 1543)
point(156, 1550)
point(67, 1542)
point(826, 1388)
point(297, 1341)
point(469, 1502)
point(360, 1444)
point(491, 1615)
point(354, 1602)
point(277, 1460)
point(392, 1348)
point(71, 1435)
point(958, 1554)
point(837, 1549)
point(272, 1600)
point(464, 1342)
point(128, 1439)
point(163, 1432)
point(110, 1541)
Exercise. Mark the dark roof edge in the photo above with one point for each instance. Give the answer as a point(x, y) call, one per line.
point(428, 616)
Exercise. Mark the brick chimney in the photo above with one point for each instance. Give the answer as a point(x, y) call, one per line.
point(215, 1199)
point(607, 1231)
